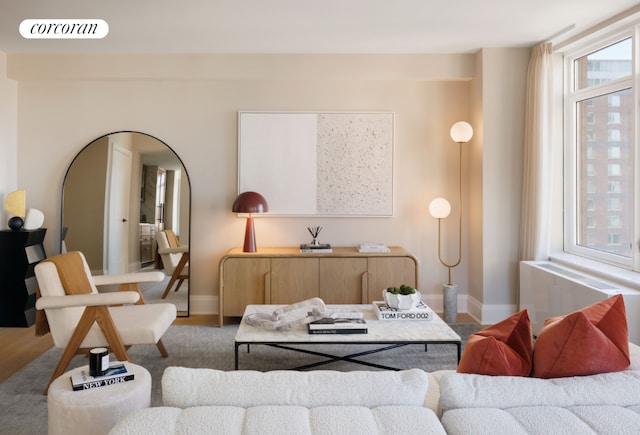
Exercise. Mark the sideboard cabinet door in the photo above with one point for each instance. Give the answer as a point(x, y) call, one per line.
point(245, 283)
point(341, 280)
point(294, 279)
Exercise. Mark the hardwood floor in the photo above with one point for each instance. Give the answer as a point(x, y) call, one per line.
point(20, 346)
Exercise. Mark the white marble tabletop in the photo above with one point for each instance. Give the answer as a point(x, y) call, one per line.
point(379, 331)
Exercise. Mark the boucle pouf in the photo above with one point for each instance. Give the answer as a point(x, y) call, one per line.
point(97, 410)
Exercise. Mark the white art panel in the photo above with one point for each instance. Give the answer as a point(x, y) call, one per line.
point(326, 163)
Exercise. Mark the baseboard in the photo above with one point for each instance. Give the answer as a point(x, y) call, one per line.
point(203, 304)
point(486, 314)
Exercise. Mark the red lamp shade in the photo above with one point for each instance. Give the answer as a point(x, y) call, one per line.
point(250, 202)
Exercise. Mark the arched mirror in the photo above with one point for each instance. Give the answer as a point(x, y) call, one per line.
point(121, 193)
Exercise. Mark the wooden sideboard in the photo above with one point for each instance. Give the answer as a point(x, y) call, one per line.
point(285, 276)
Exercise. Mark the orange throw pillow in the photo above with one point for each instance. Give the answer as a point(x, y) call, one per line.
point(586, 342)
point(503, 349)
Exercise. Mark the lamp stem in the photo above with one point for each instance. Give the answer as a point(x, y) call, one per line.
point(452, 265)
point(249, 236)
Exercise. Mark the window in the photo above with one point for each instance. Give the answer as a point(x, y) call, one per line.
point(614, 152)
point(613, 186)
point(614, 204)
point(614, 117)
point(613, 135)
point(613, 170)
point(614, 100)
point(600, 171)
point(613, 221)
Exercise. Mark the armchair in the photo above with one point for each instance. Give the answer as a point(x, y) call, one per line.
point(175, 259)
point(80, 318)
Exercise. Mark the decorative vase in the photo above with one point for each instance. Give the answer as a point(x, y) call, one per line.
point(401, 302)
point(16, 223)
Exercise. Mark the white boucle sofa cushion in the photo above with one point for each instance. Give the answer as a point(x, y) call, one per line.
point(543, 420)
point(607, 403)
point(281, 420)
point(186, 387)
point(460, 390)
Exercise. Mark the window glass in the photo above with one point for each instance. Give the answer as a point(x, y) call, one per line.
point(601, 66)
point(605, 172)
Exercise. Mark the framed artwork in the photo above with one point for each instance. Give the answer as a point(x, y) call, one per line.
point(318, 163)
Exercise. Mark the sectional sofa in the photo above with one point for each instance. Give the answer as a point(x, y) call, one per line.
point(579, 376)
point(199, 401)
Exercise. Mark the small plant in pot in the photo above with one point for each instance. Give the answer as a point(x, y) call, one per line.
point(404, 297)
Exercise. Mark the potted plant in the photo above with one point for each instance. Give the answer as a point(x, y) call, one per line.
point(404, 297)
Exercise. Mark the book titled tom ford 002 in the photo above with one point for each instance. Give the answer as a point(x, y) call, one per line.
point(420, 312)
point(116, 374)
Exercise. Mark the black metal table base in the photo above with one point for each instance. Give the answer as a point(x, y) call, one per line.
point(348, 358)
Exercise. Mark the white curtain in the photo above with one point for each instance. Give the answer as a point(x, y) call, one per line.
point(535, 210)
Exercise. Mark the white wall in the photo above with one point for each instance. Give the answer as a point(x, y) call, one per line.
point(191, 103)
point(504, 72)
point(8, 138)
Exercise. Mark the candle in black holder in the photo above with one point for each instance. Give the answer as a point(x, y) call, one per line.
point(98, 361)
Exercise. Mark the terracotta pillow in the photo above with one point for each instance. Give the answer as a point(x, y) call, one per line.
point(586, 342)
point(503, 349)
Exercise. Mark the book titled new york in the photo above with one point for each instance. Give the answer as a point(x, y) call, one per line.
point(116, 374)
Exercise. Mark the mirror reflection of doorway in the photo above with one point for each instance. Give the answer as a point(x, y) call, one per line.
point(154, 194)
point(116, 229)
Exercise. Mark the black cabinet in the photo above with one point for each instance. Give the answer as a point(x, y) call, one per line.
point(20, 251)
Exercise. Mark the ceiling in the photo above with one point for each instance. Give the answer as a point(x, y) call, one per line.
point(306, 26)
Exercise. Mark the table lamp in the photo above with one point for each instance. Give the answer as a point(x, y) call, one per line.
point(250, 202)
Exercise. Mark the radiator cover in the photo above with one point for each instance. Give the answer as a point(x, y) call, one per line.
point(548, 289)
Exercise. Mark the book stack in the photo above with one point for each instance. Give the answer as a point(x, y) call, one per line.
point(321, 248)
point(331, 325)
point(116, 374)
point(373, 247)
point(420, 312)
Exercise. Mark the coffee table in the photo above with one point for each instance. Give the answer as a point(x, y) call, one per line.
point(389, 333)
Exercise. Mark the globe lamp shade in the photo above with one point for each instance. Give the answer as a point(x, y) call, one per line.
point(461, 132)
point(439, 208)
point(250, 202)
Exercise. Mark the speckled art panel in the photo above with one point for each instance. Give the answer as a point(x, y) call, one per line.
point(355, 164)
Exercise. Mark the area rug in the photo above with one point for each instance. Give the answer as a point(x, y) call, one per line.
point(24, 406)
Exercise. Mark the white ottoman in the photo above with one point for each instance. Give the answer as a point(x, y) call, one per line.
point(97, 410)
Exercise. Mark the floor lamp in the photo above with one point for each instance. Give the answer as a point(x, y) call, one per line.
point(439, 208)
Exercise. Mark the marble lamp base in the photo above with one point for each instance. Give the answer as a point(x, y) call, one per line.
point(450, 302)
